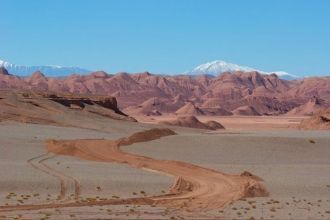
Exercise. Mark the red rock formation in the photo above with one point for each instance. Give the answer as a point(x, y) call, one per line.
point(189, 109)
point(319, 121)
point(267, 94)
point(193, 122)
point(246, 111)
point(309, 108)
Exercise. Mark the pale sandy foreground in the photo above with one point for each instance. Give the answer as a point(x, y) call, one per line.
point(293, 164)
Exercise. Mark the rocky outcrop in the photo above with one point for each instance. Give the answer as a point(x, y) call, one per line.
point(82, 101)
point(193, 122)
point(312, 106)
point(246, 111)
point(319, 121)
point(189, 109)
point(59, 109)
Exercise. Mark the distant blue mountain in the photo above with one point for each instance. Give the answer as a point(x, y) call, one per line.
point(49, 70)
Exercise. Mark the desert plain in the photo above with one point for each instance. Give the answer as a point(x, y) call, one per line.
point(37, 182)
point(144, 146)
point(138, 110)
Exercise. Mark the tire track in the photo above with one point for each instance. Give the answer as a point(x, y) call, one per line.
point(39, 163)
point(77, 186)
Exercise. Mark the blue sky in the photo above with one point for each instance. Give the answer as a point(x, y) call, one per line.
point(167, 36)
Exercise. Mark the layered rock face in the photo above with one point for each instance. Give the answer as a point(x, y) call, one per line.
point(239, 93)
point(58, 109)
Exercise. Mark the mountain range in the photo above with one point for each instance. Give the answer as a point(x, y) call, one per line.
point(213, 68)
point(50, 70)
point(217, 67)
point(230, 93)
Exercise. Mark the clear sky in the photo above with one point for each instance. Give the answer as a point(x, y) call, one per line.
point(167, 36)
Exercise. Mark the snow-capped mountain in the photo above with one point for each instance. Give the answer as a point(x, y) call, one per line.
point(217, 67)
point(49, 70)
point(213, 68)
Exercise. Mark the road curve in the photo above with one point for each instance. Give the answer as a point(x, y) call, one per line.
point(196, 189)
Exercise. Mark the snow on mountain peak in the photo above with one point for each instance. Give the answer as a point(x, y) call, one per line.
point(4, 63)
point(217, 67)
point(283, 73)
point(213, 68)
point(49, 70)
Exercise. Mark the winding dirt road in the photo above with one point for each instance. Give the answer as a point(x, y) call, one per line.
point(196, 189)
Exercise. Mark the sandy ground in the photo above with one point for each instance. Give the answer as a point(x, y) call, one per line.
point(238, 123)
point(295, 171)
point(22, 183)
point(294, 165)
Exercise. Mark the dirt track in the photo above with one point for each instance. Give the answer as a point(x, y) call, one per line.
point(196, 188)
point(39, 164)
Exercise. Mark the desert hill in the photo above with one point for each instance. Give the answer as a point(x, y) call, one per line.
point(155, 106)
point(245, 110)
point(57, 109)
point(220, 95)
point(319, 121)
point(309, 108)
point(193, 122)
point(189, 109)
